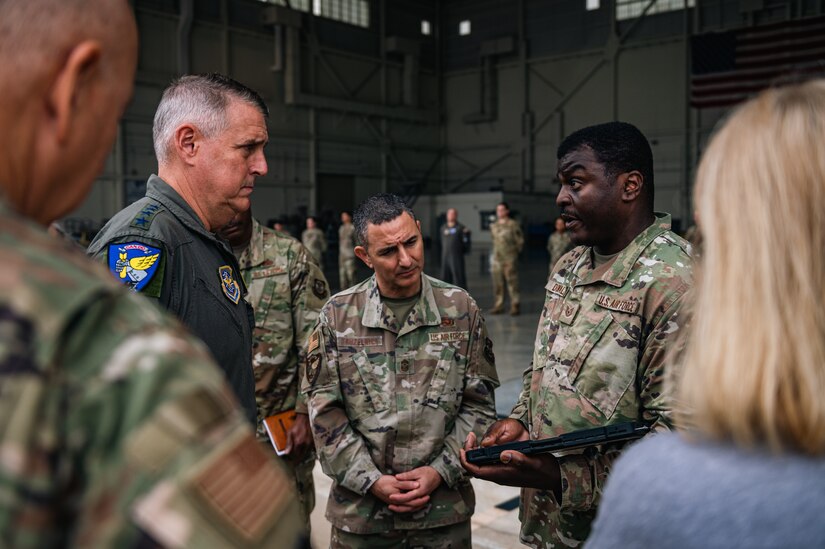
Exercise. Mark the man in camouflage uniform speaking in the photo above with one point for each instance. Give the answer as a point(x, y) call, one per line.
point(399, 371)
point(613, 308)
point(116, 428)
point(287, 290)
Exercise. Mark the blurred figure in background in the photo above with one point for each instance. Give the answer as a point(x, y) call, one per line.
point(558, 243)
point(508, 241)
point(455, 242)
point(314, 241)
point(346, 251)
point(748, 468)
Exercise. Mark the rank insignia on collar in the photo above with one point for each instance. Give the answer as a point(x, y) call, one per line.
point(229, 285)
point(133, 263)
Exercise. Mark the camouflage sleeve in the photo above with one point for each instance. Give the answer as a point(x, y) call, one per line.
point(309, 293)
point(583, 475)
point(157, 441)
point(478, 405)
point(343, 453)
point(521, 410)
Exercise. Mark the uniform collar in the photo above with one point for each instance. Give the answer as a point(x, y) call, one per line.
point(160, 190)
point(377, 315)
point(253, 254)
point(618, 271)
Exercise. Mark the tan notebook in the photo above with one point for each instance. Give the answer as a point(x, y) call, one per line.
point(276, 427)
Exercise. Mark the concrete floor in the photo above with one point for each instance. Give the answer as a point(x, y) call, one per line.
point(495, 522)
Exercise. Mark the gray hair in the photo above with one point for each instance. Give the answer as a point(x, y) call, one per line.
point(200, 100)
point(377, 209)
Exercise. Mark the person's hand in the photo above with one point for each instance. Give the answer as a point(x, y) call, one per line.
point(298, 438)
point(502, 432)
point(388, 485)
point(428, 480)
point(540, 471)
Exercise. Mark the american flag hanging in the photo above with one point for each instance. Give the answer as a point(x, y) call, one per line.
point(728, 67)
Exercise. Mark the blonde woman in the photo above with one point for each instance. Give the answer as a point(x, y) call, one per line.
point(748, 470)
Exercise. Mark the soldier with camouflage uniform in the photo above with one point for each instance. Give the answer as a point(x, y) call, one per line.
point(400, 371)
point(314, 241)
point(613, 308)
point(507, 244)
point(286, 290)
point(116, 427)
point(558, 243)
point(346, 251)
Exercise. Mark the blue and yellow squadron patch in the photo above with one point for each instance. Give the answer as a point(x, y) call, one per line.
point(134, 263)
point(229, 284)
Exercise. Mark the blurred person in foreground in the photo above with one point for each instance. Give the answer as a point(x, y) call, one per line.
point(747, 468)
point(286, 290)
point(116, 428)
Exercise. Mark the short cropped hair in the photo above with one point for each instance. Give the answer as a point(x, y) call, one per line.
point(201, 100)
point(619, 146)
point(377, 209)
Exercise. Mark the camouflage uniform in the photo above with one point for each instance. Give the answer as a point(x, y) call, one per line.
point(314, 241)
point(507, 244)
point(287, 291)
point(557, 245)
point(599, 360)
point(116, 428)
point(385, 399)
point(346, 255)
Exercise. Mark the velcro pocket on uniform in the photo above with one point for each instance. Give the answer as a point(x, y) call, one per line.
point(606, 364)
point(374, 377)
point(439, 379)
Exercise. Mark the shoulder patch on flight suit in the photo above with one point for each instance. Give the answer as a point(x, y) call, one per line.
point(134, 264)
point(143, 219)
point(228, 284)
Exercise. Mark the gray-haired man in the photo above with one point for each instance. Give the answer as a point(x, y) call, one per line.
point(209, 134)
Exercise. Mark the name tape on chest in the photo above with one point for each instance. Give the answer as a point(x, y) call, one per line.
point(444, 337)
point(620, 305)
point(269, 271)
point(559, 289)
point(366, 341)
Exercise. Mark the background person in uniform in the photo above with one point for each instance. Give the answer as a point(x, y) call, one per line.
point(346, 251)
point(507, 244)
point(314, 241)
point(400, 371)
point(209, 134)
point(748, 469)
point(558, 243)
point(455, 242)
point(614, 307)
point(114, 422)
point(286, 290)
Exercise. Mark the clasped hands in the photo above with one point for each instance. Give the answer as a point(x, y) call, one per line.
point(407, 492)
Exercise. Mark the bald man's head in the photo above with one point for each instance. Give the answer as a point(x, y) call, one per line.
point(66, 74)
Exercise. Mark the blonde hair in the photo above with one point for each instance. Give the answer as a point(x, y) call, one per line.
point(755, 363)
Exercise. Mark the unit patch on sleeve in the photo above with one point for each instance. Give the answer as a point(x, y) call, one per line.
point(319, 289)
point(229, 285)
point(134, 263)
point(488, 351)
point(313, 368)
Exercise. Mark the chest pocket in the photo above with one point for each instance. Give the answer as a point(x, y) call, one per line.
point(603, 357)
point(266, 288)
point(445, 389)
point(375, 380)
